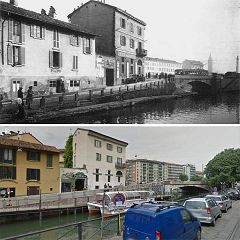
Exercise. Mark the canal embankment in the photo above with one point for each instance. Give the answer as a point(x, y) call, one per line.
point(44, 108)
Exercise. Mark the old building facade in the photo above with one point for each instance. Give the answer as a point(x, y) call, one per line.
point(40, 51)
point(192, 64)
point(120, 43)
point(27, 166)
point(101, 158)
point(156, 66)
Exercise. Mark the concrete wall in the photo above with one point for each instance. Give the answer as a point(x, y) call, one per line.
point(85, 153)
point(49, 177)
point(37, 68)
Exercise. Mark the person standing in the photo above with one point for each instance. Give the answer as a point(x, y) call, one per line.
point(20, 94)
point(29, 97)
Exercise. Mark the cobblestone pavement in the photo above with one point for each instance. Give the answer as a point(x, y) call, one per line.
point(227, 227)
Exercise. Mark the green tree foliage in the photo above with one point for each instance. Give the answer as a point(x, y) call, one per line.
point(183, 177)
point(196, 178)
point(224, 168)
point(68, 154)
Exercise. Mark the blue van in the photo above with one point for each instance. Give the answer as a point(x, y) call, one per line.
point(160, 221)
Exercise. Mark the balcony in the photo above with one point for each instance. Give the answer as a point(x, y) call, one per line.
point(140, 52)
point(120, 165)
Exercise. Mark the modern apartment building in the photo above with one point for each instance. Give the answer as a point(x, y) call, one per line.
point(149, 171)
point(155, 67)
point(102, 157)
point(189, 170)
point(40, 51)
point(119, 42)
point(27, 165)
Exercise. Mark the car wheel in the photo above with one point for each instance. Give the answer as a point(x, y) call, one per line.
point(213, 223)
point(226, 209)
point(198, 235)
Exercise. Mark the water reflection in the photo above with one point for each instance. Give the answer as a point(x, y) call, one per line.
point(222, 109)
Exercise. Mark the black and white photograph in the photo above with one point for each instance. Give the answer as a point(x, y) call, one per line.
point(120, 62)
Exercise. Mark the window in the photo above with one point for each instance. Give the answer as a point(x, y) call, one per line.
point(7, 172)
point(140, 46)
point(35, 83)
point(33, 156)
point(109, 147)
point(16, 55)
point(139, 31)
point(131, 28)
point(55, 58)
point(123, 40)
point(75, 63)
point(52, 83)
point(122, 23)
point(132, 43)
point(109, 159)
point(37, 32)
point(8, 156)
point(74, 40)
point(119, 160)
point(33, 174)
point(97, 175)
point(87, 46)
point(119, 149)
point(74, 83)
point(109, 176)
point(49, 160)
point(16, 31)
point(186, 216)
point(56, 39)
point(98, 157)
point(98, 144)
point(96, 187)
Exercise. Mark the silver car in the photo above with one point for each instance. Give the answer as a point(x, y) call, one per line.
point(224, 202)
point(205, 209)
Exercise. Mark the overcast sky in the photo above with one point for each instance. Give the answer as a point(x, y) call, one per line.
point(176, 29)
point(193, 144)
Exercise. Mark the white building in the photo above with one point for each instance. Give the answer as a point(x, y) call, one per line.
point(102, 157)
point(189, 170)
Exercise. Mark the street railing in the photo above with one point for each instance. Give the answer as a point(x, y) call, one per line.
point(98, 228)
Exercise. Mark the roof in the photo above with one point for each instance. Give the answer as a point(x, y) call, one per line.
point(124, 12)
point(161, 60)
point(97, 134)
point(10, 8)
point(13, 143)
point(194, 62)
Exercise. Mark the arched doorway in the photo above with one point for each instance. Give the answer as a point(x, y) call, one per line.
point(139, 67)
point(119, 175)
point(80, 181)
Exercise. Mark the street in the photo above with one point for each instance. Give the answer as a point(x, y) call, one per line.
point(227, 227)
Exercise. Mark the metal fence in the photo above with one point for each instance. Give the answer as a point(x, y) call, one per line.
point(98, 228)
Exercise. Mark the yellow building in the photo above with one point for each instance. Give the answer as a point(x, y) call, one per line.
point(27, 166)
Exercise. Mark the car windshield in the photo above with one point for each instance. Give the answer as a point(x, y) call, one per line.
point(215, 198)
point(195, 205)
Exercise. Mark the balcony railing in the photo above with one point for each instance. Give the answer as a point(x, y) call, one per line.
point(120, 165)
point(141, 52)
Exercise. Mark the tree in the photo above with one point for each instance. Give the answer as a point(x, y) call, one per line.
point(183, 177)
point(196, 178)
point(224, 168)
point(68, 154)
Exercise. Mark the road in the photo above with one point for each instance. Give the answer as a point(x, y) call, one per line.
point(227, 227)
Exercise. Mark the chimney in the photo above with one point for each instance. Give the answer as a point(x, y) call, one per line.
point(43, 12)
point(237, 65)
point(52, 12)
point(14, 2)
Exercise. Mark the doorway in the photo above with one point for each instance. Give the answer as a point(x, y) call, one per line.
point(80, 184)
point(109, 77)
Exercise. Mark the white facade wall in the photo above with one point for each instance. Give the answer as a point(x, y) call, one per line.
point(84, 153)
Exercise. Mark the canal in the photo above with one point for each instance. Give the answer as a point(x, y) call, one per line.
point(221, 109)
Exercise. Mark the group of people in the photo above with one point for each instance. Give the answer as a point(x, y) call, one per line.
point(20, 101)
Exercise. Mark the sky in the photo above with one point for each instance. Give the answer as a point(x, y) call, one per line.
point(176, 29)
point(177, 144)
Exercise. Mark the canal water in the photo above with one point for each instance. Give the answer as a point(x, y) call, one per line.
point(221, 109)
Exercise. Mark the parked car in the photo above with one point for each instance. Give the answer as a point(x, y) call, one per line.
point(233, 194)
point(205, 209)
point(224, 202)
point(161, 221)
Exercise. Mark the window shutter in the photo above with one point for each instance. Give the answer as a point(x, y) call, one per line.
point(28, 174)
point(23, 32)
point(50, 59)
point(10, 30)
point(43, 32)
point(22, 54)
point(61, 60)
point(73, 62)
point(71, 39)
point(14, 173)
point(32, 31)
point(10, 55)
point(57, 39)
point(38, 174)
point(76, 62)
point(84, 45)
point(91, 46)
